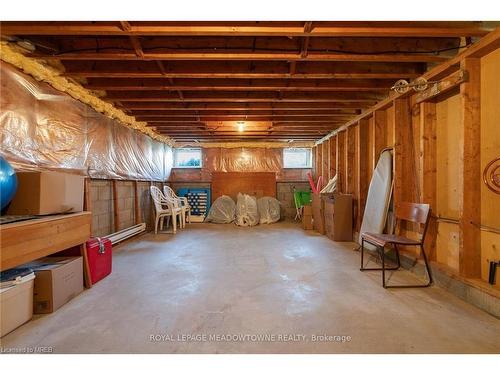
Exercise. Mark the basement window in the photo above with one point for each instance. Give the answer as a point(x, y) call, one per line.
point(187, 158)
point(297, 158)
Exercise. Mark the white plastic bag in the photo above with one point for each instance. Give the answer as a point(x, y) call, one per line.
point(222, 211)
point(247, 213)
point(269, 210)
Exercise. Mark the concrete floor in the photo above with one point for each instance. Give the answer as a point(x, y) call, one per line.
point(274, 279)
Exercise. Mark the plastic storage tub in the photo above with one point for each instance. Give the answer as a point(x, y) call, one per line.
point(16, 299)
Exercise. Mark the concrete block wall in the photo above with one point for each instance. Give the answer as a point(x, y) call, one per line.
point(101, 197)
point(284, 192)
point(102, 207)
point(125, 204)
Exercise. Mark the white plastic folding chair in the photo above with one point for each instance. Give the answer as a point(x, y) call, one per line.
point(164, 207)
point(182, 203)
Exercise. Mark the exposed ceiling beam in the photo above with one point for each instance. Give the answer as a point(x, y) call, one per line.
point(250, 75)
point(256, 56)
point(309, 119)
point(131, 84)
point(250, 96)
point(278, 29)
point(134, 40)
point(305, 40)
point(247, 114)
point(202, 87)
point(243, 106)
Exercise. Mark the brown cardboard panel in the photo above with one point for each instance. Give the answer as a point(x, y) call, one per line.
point(317, 208)
point(307, 210)
point(307, 222)
point(338, 212)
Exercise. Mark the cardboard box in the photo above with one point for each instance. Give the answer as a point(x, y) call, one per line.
point(307, 210)
point(16, 304)
point(58, 280)
point(45, 193)
point(339, 217)
point(307, 222)
point(317, 209)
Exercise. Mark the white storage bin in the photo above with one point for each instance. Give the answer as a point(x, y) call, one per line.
point(16, 303)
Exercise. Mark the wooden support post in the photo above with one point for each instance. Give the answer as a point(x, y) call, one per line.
point(404, 163)
point(428, 170)
point(86, 268)
point(319, 161)
point(379, 135)
point(325, 170)
point(470, 235)
point(340, 161)
point(362, 169)
point(87, 197)
point(317, 170)
point(137, 206)
point(350, 152)
point(333, 156)
point(116, 216)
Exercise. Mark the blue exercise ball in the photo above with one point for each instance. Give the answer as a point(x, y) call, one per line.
point(8, 183)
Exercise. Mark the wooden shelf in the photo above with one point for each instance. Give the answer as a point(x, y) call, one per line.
point(26, 241)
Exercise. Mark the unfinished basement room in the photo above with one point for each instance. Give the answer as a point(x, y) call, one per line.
point(250, 187)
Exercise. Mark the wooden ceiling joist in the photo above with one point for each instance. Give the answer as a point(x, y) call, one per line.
point(288, 80)
point(245, 114)
point(154, 106)
point(249, 75)
point(131, 84)
point(308, 119)
point(324, 29)
point(135, 69)
point(251, 96)
point(224, 56)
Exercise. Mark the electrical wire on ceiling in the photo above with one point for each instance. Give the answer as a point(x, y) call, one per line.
point(347, 52)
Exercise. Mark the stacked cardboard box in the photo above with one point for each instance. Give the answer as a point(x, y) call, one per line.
point(317, 209)
point(338, 217)
point(58, 280)
point(307, 218)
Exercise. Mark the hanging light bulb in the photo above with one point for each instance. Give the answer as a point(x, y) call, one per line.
point(241, 126)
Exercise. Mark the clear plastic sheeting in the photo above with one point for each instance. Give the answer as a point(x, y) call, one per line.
point(269, 210)
point(223, 211)
point(243, 159)
point(247, 213)
point(41, 127)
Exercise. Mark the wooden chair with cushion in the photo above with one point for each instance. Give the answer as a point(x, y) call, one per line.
point(409, 212)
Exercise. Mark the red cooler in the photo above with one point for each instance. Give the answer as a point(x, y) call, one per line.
point(99, 253)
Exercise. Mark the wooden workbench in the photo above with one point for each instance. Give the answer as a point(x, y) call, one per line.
point(25, 241)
